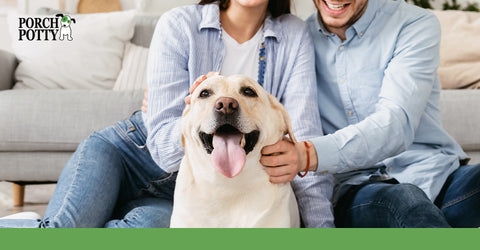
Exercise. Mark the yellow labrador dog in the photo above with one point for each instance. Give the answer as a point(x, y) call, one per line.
point(221, 182)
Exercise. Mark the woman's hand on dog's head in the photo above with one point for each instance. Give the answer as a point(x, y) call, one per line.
point(197, 82)
point(187, 99)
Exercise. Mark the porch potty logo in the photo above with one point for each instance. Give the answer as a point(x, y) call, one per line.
point(45, 29)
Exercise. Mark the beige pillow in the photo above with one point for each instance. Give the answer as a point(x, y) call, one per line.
point(459, 49)
point(134, 69)
point(91, 60)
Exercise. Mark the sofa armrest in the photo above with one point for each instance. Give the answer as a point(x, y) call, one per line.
point(9, 64)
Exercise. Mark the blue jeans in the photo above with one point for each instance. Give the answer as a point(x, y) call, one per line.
point(382, 204)
point(110, 181)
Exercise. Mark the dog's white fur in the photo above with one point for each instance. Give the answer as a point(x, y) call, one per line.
point(204, 197)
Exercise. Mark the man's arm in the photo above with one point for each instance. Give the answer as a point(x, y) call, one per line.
point(406, 88)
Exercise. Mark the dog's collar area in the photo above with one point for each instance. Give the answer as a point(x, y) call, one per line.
point(251, 138)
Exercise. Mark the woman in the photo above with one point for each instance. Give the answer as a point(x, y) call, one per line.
point(114, 180)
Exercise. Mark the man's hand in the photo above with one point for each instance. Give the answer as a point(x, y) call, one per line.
point(284, 160)
point(281, 161)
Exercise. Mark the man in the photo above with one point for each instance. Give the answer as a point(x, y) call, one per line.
point(378, 89)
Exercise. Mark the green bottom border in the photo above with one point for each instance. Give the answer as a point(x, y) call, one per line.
point(294, 239)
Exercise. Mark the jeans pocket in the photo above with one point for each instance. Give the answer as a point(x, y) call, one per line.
point(131, 133)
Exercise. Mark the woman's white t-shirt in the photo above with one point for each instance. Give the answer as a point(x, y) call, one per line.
point(241, 58)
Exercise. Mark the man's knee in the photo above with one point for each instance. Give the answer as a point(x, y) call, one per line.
point(390, 205)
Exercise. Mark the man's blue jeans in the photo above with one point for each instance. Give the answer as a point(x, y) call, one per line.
point(382, 204)
point(110, 181)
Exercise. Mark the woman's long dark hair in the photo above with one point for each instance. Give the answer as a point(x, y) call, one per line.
point(275, 7)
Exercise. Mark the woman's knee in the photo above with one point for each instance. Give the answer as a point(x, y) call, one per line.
point(145, 213)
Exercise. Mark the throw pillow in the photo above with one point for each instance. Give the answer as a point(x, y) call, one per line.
point(86, 55)
point(134, 68)
point(459, 54)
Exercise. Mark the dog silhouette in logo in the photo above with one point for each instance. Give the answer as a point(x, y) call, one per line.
point(65, 29)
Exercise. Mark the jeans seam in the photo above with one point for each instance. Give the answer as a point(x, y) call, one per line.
point(70, 186)
point(460, 199)
point(134, 216)
point(389, 206)
point(77, 164)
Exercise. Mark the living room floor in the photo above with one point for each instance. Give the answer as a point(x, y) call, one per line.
point(36, 199)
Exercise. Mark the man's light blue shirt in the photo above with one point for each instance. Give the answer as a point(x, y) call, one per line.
point(378, 94)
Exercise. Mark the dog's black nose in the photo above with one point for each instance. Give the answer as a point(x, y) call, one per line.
point(226, 106)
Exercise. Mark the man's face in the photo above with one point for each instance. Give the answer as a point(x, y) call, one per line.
point(339, 15)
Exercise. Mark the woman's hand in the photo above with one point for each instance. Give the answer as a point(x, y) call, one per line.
point(197, 82)
point(145, 100)
point(285, 159)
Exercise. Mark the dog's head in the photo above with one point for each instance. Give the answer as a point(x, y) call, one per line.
point(65, 20)
point(230, 119)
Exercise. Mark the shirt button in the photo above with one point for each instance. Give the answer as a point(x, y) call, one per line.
point(350, 113)
point(341, 80)
point(341, 48)
point(360, 34)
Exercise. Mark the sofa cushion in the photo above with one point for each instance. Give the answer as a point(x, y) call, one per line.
point(91, 60)
point(459, 53)
point(460, 116)
point(58, 120)
point(9, 63)
point(134, 68)
point(32, 166)
point(144, 28)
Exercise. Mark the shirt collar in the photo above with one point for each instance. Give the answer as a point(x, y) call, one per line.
point(211, 19)
point(360, 26)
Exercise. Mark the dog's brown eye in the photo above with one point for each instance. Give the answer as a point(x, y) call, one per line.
point(205, 93)
point(248, 92)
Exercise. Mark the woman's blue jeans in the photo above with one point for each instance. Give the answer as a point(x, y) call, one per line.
point(110, 181)
point(382, 204)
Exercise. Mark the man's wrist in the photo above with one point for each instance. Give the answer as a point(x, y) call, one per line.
point(313, 157)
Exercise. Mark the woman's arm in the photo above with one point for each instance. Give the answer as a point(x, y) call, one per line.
point(168, 84)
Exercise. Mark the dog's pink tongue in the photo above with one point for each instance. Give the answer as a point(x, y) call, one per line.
point(227, 156)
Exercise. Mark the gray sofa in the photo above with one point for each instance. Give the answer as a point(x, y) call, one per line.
point(41, 128)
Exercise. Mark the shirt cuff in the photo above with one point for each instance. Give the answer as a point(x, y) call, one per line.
point(328, 155)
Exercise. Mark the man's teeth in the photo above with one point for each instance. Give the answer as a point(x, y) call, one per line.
point(243, 141)
point(335, 7)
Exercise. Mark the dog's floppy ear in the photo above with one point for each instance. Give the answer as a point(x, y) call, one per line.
point(286, 118)
point(59, 15)
point(186, 110)
point(73, 20)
